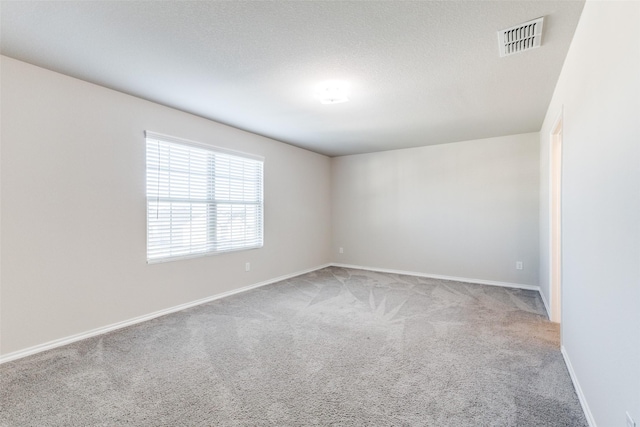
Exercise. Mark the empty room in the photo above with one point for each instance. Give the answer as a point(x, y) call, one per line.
point(292, 213)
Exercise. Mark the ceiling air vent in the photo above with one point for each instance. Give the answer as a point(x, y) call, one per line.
point(520, 38)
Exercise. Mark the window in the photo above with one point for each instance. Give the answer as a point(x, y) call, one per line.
point(200, 200)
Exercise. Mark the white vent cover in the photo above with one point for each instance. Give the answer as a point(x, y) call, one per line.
point(522, 37)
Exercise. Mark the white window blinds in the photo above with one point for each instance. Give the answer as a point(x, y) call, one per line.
point(200, 200)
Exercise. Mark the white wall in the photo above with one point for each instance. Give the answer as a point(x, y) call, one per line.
point(599, 92)
point(467, 209)
point(73, 209)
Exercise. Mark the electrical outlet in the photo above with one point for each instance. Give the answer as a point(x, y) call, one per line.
point(247, 267)
point(519, 265)
point(341, 250)
point(630, 422)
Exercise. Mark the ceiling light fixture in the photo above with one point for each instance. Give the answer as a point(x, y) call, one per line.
point(332, 92)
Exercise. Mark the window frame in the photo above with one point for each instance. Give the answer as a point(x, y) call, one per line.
point(149, 135)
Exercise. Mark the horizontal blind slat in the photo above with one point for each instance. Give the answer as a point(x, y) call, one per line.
point(201, 201)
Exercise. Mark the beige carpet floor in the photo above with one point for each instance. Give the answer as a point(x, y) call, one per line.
point(334, 347)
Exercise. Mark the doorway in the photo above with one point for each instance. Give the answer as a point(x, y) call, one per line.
point(556, 221)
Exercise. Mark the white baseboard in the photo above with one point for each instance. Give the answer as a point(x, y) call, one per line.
point(583, 400)
point(112, 327)
point(437, 276)
point(102, 330)
point(546, 305)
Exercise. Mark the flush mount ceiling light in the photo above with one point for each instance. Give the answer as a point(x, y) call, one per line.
point(332, 92)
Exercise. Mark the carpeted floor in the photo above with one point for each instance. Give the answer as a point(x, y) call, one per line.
point(332, 347)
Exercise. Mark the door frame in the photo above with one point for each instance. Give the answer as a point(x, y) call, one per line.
point(555, 218)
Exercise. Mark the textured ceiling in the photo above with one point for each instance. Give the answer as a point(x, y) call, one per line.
point(421, 73)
